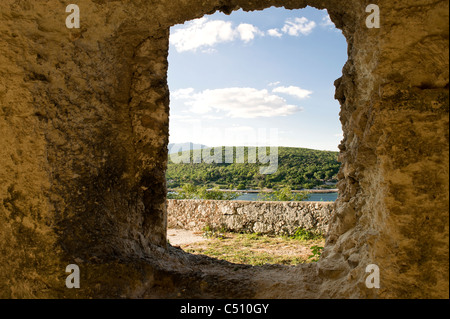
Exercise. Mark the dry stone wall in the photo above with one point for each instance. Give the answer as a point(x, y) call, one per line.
point(273, 218)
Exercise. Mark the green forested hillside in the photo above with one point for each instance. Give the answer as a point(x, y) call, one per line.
point(298, 168)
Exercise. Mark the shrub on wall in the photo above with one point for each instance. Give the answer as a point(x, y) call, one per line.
point(284, 194)
point(190, 191)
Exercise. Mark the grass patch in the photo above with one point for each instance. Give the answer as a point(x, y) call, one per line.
point(257, 249)
point(303, 234)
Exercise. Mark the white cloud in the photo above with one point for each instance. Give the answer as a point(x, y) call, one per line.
point(180, 117)
point(238, 103)
point(274, 83)
point(182, 93)
point(201, 33)
point(274, 33)
point(247, 32)
point(294, 91)
point(212, 117)
point(297, 26)
point(204, 33)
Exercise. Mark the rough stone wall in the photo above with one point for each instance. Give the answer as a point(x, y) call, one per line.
point(271, 218)
point(393, 208)
point(83, 135)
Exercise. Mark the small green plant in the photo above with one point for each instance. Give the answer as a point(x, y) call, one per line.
point(210, 232)
point(216, 194)
point(284, 194)
point(254, 236)
point(190, 191)
point(316, 252)
point(303, 234)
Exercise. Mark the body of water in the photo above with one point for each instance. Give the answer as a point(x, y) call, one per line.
point(314, 197)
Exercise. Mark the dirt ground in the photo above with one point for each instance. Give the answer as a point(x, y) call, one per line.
point(181, 237)
point(250, 249)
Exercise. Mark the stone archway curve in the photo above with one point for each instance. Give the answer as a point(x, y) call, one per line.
point(84, 124)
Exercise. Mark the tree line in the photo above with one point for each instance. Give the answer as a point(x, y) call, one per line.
point(298, 168)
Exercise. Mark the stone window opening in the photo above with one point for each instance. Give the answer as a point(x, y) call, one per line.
point(198, 216)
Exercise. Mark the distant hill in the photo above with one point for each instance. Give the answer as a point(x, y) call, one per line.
point(177, 147)
point(298, 168)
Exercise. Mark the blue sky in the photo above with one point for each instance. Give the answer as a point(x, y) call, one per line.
point(257, 78)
